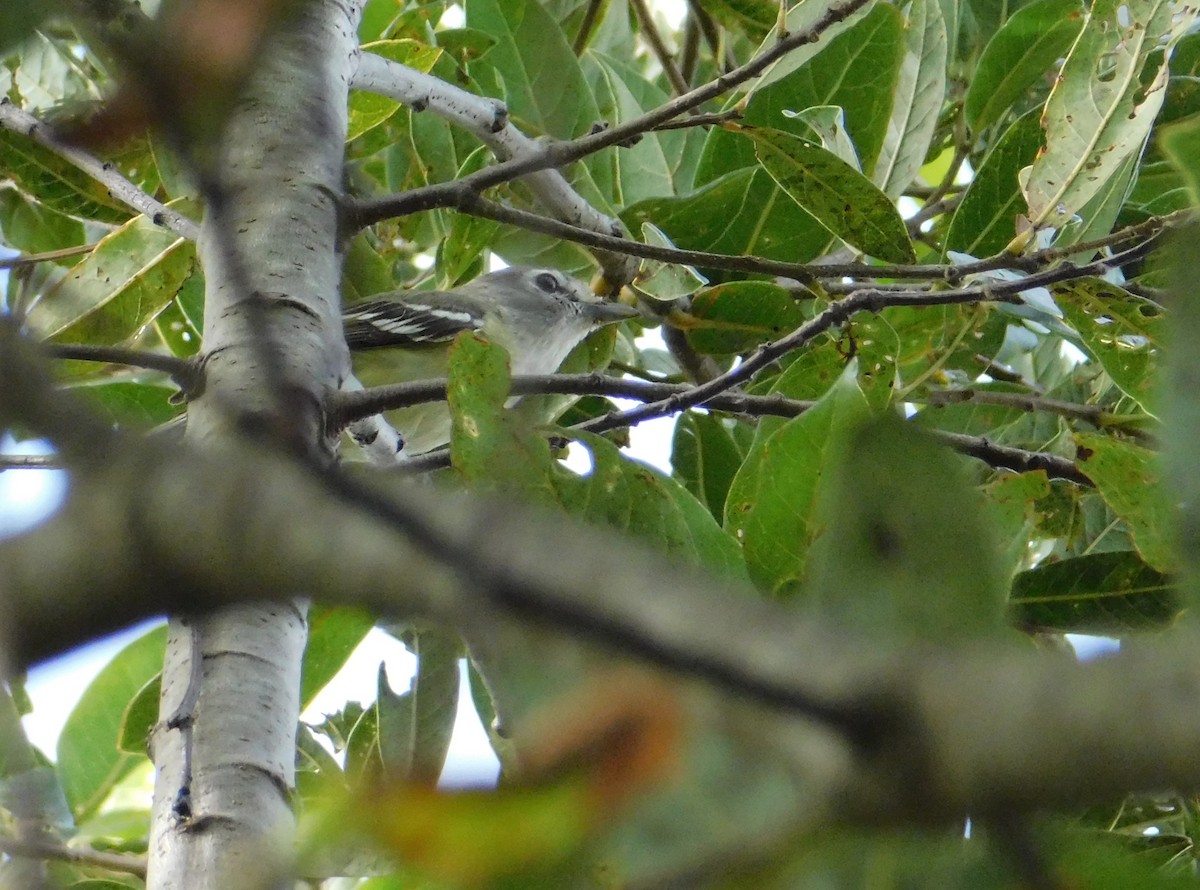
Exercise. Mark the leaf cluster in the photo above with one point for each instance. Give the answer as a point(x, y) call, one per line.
point(907, 142)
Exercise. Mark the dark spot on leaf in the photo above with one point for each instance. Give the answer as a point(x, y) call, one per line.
point(884, 540)
point(1082, 452)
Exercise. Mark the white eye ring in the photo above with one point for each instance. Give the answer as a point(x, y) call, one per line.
point(548, 282)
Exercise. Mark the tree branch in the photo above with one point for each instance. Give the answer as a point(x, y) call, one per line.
point(19, 121)
point(133, 865)
point(487, 120)
point(659, 47)
point(186, 373)
point(466, 200)
point(918, 733)
point(345, 407)
point(864, 300)
point(558, 154)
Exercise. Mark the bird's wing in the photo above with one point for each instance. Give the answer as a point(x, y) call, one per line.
point(410, 322)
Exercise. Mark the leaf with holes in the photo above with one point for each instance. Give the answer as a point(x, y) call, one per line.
point(1123, 331)
point(1129, 478)
point(1104, 103)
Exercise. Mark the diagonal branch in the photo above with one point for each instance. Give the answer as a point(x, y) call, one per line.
point(463, 198)
point(558, 154)
point(864, 300)
point(20, 121)
point(905, 718)
point(487, 120)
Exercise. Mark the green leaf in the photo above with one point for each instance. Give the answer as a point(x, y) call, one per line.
point(741, 213)
point(122, 284)
point(463, 249)
point(920, 92)
point(986, 220)
point(48, 70)
point(1129, 478)
point(139, 718)
point(133, 404)
point(415, 727)
point(1012, 505)
point(905, 549)
point(539, 75)
point(735, 317)
point(90, 760)
point(754, 18)
point(1161, 187)
point(369, 110)
point(31, 227)
point(1102, 593)
point(705, 458)
point(857, 71)
point(1103, 103)
point(644, 170)
point(651, 507)
point(333, 635)
point(827, 128)
point(365, 272)
point(805, 15)
point(173, 325)
point(1123, 331)
point(1018, 56)
point(18, 19)
point(1095, 219)
point(848, 204)
point(771, 509)
point(1181, 144)
point(52, 180)
point(489, 446)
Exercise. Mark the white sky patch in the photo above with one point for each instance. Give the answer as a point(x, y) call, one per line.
point(470, 761)
point(453, 17)
point(1087, 647)
point(28, 497)
point(56, 686)
point(674, 11)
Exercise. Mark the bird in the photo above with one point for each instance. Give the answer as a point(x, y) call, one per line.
point(537, 314)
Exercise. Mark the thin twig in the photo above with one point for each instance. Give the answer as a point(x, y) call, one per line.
point(715, 119)
point(590, 16)
point(31, 259)
point(30, 462)
point(133, 865)
point(659, 47)
point(345, 407)
point(689, 55)
point(1093, 414)
point(1001, 457)
point(712, 36)
point(365, 213)
point(464, 199)
point(929, 210)
point(865, 300)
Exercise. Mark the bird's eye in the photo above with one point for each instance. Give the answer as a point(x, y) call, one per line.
point(547, 282)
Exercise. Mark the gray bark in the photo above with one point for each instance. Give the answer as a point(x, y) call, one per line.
point(270, 255)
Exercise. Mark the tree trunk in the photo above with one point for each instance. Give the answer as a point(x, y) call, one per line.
point(272, 267)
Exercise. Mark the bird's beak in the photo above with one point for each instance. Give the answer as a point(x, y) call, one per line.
point(608, 312)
